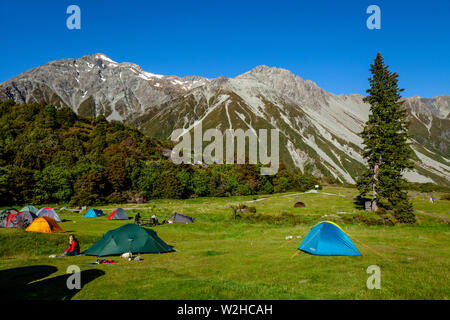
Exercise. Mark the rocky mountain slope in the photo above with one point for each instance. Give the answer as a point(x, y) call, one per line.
point(319, 131)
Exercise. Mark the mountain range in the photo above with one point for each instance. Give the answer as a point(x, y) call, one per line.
point(319, 131)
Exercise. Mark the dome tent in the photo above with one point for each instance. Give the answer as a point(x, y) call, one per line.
point(180, 218)
point(31, 209)
point(128, 238)
point(44, 224)
point(328, 239)
point(5, 214)
point(48, 212)
point(20, 220)
point(118, 214)
point(7, 211)
point(93, 213)
point(299, 205)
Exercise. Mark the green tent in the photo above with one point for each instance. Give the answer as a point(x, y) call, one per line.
point(31, 209)
point(8, 211)
point(128, 238)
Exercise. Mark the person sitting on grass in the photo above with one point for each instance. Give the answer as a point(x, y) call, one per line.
point(74, 247)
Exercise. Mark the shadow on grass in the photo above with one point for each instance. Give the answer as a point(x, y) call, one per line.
point(22, 283)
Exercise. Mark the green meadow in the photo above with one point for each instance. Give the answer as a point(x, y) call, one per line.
point(219, 257)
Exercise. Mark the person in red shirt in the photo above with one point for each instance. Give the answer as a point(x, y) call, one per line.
point(74, 247)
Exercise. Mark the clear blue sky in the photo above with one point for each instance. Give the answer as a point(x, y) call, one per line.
point(324, 41)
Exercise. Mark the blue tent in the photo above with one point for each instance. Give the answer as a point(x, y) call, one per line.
point(328, 239)
point(92, 213)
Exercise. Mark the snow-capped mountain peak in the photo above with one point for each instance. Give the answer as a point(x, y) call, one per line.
point(319, 131)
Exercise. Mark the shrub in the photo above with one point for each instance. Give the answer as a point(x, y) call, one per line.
point(251, 209)
point(243, 190)
point(381, 211)
point(388, 220)
point(235, 209)
point(267, 188)
point(404, 212)
point(283, 218)
point(445, 196)
point(381, 218)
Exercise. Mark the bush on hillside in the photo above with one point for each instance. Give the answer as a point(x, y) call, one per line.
point(404, 212)
point(445, 196)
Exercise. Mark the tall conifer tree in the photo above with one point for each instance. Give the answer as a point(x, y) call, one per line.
point(385, 136)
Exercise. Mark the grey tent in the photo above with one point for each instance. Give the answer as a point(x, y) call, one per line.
point(179, 218)
point(118, 214)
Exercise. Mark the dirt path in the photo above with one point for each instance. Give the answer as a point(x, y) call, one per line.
point(295, 194)
point(445, 219)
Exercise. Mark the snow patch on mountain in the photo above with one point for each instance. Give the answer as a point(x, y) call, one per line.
point(228, 115)
point(221, 99)
point(299, 157)
point(310, 140)
point(414, 176)
point(432, 165)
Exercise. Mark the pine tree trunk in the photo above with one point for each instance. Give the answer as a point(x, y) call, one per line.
point(374, 188)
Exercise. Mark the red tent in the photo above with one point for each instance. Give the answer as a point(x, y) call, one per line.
point(11, 217)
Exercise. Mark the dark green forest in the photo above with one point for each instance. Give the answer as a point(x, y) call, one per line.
point(52, 155)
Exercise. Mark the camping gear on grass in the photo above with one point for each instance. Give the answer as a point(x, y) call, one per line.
point(48, 212)
point(20, 220)
point(328, 239)
point(118, 214)
point(44, 224)
point(128, 238)
point(31, 209)
point(103, 261)
point(179, 218)
point(127, 255)
point(93, 213)
point(299, 205)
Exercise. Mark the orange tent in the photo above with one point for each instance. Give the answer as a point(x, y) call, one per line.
point(44, 224)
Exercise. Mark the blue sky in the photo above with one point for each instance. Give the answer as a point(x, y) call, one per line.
point(324, 41)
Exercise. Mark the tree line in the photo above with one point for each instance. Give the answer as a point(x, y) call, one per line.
point(52, 155)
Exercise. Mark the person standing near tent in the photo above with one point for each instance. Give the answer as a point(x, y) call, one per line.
point(154, 219)
point(137, 218)
point(74, 247)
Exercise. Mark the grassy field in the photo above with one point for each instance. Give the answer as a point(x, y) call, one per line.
point(221, 258)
